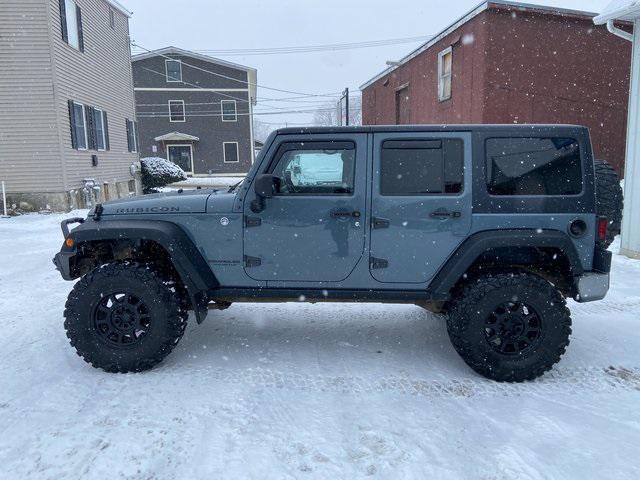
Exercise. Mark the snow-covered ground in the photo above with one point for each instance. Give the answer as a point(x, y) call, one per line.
point(307, 391)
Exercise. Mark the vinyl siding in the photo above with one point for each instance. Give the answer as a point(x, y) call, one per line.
point(99, 77)
point(203, 120)
point(29, 152)
point(151, 73)
point(203, 109)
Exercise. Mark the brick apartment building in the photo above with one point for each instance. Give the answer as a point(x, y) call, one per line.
point(508, 62)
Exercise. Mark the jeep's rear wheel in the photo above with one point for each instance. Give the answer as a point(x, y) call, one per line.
point(124, 317)
point(510, 327)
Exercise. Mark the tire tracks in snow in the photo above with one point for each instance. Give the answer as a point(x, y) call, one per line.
point(562, 380)
point(603, 307)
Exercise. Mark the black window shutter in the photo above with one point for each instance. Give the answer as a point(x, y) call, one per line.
point(91, 127)
point(105, 124)
point(80, 35)
point(72, 124)
point(129, 135)
point(63, 21)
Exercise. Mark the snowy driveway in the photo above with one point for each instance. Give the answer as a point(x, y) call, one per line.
point(307, 391)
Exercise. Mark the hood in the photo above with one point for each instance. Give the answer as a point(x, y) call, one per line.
point(188, 201)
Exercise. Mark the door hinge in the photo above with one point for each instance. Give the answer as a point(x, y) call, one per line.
point(378, 263)
point(250, 262)
point(380, 223)
point(252, 222)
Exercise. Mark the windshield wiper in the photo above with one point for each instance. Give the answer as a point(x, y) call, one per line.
point(233, 187)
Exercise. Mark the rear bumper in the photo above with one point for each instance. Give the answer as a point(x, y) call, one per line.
point(591, 286)
point(594, 285)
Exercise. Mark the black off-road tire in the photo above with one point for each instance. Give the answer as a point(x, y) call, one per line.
point(470, 329)
point(609, 198)
point(140, 289)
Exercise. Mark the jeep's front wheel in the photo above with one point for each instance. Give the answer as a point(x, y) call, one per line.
point(124, 317)
point(510, 327)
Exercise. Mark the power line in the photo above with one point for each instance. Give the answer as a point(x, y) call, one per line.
point(216, 114)
point(196, 86)
point(204, 89)
point(314, 48)
point(164, 104)
point(226, 76)
point(267, 99)
point(293, 124)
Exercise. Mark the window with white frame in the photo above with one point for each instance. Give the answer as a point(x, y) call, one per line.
point(78, 120)
point(445, 63)
point(71, 24)
point(89, 127)
point(230, 152)
point(132, 135)
point(174, 70)
point(229, 111)
point(176, 111)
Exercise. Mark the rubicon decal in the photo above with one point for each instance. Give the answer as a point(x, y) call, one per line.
point(148, 210)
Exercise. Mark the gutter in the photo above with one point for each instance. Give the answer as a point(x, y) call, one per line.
point(121, 8)
point(618, 32)
point(630, 11)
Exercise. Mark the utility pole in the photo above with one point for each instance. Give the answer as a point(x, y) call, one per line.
point(346, 96)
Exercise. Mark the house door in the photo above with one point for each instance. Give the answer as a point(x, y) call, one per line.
point(181, 155)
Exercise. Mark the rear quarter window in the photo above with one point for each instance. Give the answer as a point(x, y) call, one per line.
point(533, 166)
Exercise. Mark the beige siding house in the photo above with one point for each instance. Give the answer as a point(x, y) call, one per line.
point(67, 130)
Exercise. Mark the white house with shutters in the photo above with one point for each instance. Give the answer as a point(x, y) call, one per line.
point(67, 129)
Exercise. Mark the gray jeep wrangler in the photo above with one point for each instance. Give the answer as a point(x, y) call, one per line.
point(493, 226)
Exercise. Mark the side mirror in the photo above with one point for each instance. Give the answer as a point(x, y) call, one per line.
point(265, 186)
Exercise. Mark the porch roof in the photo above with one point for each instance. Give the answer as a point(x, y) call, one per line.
point(176, 137)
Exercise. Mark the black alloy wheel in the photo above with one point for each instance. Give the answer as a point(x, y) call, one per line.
point(121, 320)
point(513, 328)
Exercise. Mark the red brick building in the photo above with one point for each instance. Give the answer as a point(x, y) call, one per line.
point(507, 62)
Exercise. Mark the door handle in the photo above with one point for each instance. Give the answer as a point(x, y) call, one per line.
point(344, 213)
point(445, 214)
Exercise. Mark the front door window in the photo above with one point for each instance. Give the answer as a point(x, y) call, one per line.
point(305, 170)
point(181, 155)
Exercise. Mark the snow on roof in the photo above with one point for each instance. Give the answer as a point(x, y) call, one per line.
point(485, 5)
point(619, 10)
point(176, 136)
point(118, 6)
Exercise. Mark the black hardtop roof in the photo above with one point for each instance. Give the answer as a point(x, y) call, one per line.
point(519, 128)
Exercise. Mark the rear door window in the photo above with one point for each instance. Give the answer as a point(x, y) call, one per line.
point(533, 166)
point(421, 167)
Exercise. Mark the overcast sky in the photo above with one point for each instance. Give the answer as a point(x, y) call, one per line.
point(241, 24)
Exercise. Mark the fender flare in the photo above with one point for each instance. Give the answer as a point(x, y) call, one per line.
point(188, 261)
point(479, 243)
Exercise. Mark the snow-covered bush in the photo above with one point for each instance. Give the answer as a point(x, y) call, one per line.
point(158, 172)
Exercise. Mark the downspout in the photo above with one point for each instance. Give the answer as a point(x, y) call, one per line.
point(618, 32)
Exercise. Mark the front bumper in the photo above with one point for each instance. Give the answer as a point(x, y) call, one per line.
point(62, 261)
point(591, 286)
